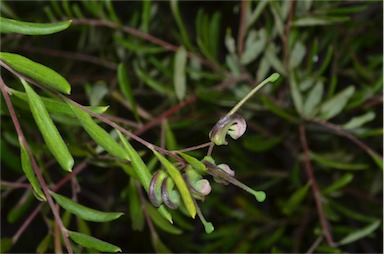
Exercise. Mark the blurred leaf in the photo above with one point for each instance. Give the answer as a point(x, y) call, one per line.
point(274, 61)
point(84, 212)
point(294, 201)
point(21, 27)
point(159, 245)
point(361, 233)
point(98, 134)
point(296, 95)
point(170, 139)
point(26, 165)
point(358, 121)
point(20, 208)
point(44, 244)
point(326, 61)
point(297, 55)
point(154, 84)
point(5, 244)
point(254, 45)
point(338, 184)
point(36, 71)
point(180, 24)
point(318, 21)
point(256, 13)
point(91, 242)
point(378, 160)
point(276, 109)
point(337, 164)
point(180, 183)
point(179, 79)
point(96, 93)
point(51, 135)
point(257, 143)
point(335, 105)
point(161, 222)
point(313, 99)
point(135, 209)
point(126, 88)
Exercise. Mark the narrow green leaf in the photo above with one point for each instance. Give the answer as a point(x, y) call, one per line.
point(361, 233)
point(84, 212)
point(30, 173)
point(159, 246)
point(51, 135)
point(195, 163)
point(180, 183)
point(313, 99)
point(296, 95)
point(180, 24)
point(126, 88)
point(36, 71)
point(258, 143)
point(336, 163)
point(293, 202)
point(98, 134)
point(318, 21)
point(179, 79)
point(44, 244)
point(21, 207)
point(377, 159)
point(136, 211)
point(138, 165)
point(142, 172)
point(92, 242)
point(297, 55)
point(335, 105)
point(339, 183)
point(276, 109)
point(21, 27)
point(154, 84)
point(358, 121)
point(161, 222)
point(55, 106)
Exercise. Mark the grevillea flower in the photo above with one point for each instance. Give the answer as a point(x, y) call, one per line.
point(233, 125)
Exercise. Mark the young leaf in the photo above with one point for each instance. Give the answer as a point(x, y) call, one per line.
point(50, 134)
point(84, 212)
point(179, 80)
point(98, 134)
point(335, 105)
point(36, 71)
point(142, 172)
point(180, 183)
point(91, 242)
point(358, 121)
point(21, 27)
point(327, 162)
point(195, 163)
point(361, 233)
point(29, 172)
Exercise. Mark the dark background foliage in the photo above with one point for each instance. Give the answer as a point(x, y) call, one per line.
point(343, 49)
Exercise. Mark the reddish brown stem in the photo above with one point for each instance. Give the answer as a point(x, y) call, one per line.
point(315, 188)
point(242, 28)
point(36, 168)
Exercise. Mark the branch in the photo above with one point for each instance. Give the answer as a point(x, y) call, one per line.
point(315, 188)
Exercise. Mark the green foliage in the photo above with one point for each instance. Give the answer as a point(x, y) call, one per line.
point(296, 84)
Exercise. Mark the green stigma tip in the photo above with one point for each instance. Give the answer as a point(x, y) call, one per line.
point(275, 76)
point(208, 227)
point(260, 195)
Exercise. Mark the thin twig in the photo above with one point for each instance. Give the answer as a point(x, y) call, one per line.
point(315, 188)
point(340, 131)
point(36, 168)
point(315, 244)
point(193, 148)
